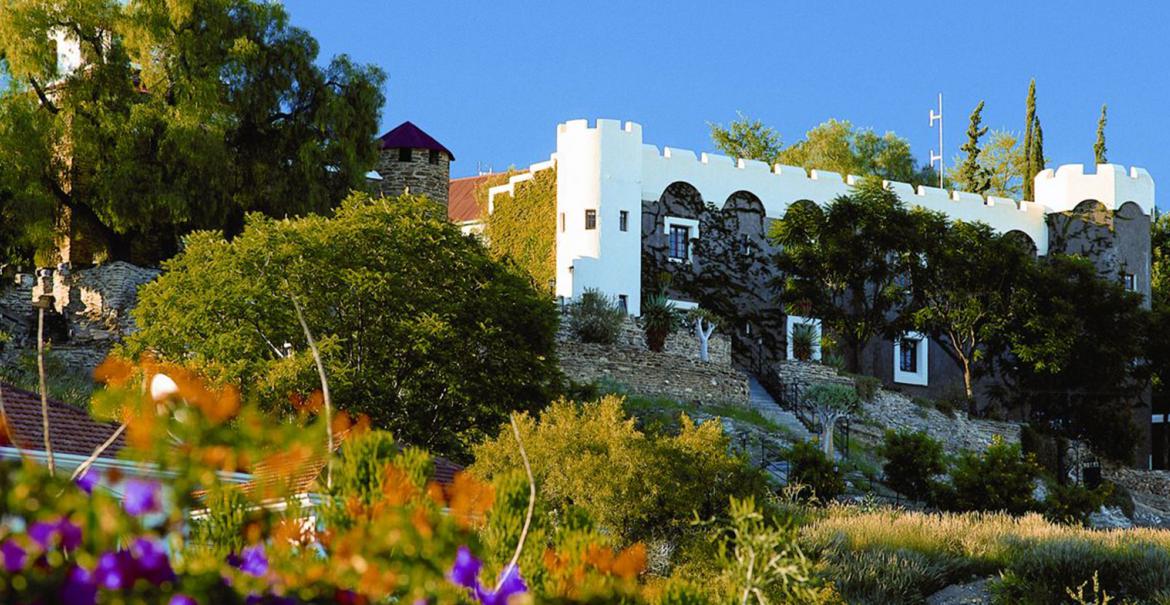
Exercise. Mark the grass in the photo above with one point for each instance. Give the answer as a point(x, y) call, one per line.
point(666, 410)
point(892, 556)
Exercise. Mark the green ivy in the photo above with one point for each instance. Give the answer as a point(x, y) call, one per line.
point(522, 227)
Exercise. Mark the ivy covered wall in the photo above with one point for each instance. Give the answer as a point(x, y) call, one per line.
point(523, 227)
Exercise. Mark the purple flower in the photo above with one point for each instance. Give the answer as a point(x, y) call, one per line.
point(88, 480)
point(251, 561)
point(13, 555)
point(182, 599)
point(115, 570)
point(151, 561)
point(510, 584)
point(79, 588)
point(64, 532)
point(140, 497)
point(465, 571)
point(42, 533)
point(69, 533)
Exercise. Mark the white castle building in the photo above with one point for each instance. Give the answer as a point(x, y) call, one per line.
point(606, 172)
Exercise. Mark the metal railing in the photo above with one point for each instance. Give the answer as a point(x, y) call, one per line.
point(790, 397)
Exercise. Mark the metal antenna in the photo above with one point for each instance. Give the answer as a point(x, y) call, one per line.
point(939, 156)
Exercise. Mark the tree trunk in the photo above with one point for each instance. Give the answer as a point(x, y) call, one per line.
point(969, 389)
point(827, 437)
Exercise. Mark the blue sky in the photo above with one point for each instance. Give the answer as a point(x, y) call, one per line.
point(492, 79)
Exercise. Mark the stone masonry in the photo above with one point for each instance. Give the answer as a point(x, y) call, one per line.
point(418, 174)
point(676, 373)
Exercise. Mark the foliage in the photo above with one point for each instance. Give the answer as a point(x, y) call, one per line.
point(1072, 503)
point(186, 116)
point(1099, 149)
point(804, 341)
point(762, 562)
point(999, 479)
point(969, 288)
point(866, 386)
point(1136, 572)
point(1068, 353)
point(831, 402)
point(660, 318)
point(523, 227)
point(811, 468)
point(1029, 143)
point(888, 577)
point(748, 139)
point(635, 486)
point(912, 461)
point(418, 327)
point(970, 175)
point(596, 318)
point(1003, 159)
point(63, 384)
point(848, 262)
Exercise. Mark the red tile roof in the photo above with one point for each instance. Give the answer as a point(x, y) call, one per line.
point(461, 203)
point(409, 136)
point(71, 429)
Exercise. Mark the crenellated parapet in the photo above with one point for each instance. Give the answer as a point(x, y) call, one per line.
point(1112, 185)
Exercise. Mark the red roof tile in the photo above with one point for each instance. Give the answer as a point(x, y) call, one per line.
point(409, 136)
point(461, 203)
point(71, 429)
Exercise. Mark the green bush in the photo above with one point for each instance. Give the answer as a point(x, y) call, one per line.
point(659, 319)
point(912, 459)
point(1074, 503)
point(595, 318)
point(867, 387)
point(999, 479)
point(804, 341)
point(1040, 573)
point(808, 466)
point(877, 576)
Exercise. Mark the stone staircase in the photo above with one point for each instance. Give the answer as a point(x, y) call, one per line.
point(761, 401)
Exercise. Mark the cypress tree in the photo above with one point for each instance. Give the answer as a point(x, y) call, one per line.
point(1029, 119)
point(970, 175)
point(1099, 147)
point(1037, 150)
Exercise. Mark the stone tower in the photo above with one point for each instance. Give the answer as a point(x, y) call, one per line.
point(411, 159)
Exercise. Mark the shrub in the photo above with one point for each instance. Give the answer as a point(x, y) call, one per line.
point(889, 577)
point(810, 467)
point(1040, 573)
point(804, 340)
point(999, 479)
point(595, 318)
point(912, 459)
point(1071, 503)
point(830, 402)
point(866, 386)
point(659, 319)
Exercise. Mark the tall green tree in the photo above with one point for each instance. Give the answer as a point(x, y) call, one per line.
point(1099, 146)
point(851, 264)
point(971, 278)
point(1036, 157)
point(184, 115)
point(748, 139)
point(1003, 159)
point(1029, 124)
point(418, 326)
point(970, 174)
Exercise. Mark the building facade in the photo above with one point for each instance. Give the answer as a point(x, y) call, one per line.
point(629, 213)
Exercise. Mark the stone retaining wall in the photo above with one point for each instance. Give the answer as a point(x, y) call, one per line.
point(682, 343)
point(646, 373)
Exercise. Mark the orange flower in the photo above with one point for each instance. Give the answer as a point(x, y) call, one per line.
point(113, 371)
point(396, 486)
point(631, 562)
point(470, 499)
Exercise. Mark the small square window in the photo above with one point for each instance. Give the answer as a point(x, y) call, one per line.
point(1130, 281)
point(908, 360)
point(680, 240)
point(590, 219)
point(624, 303)
point(624, 220)
point(404, 155)
point(434, 156)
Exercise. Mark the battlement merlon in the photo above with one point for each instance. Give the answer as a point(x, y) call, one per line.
point(1112, 185)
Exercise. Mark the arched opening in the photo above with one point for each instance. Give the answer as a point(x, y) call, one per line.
point(681, 198)
point(801, 222)
point(1093, 211)
point(1023, 240)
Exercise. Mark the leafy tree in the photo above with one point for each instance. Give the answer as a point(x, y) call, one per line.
point(185, 115)
point(748, 139)
point(1029, 143)
point(419, 328)
point(847, 262)
point(968, 289)
point(1036, 156)
point(1003, 160)
point(970, 174)
point(912, 461)
point(810, 467)
point(1070, 354)
point(830, 403)
point(522, 227)
point(999, 479)
point(1099, 146)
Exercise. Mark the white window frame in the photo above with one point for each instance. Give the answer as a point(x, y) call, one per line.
point(922, 376)
point(796, 320)
point(690, 223)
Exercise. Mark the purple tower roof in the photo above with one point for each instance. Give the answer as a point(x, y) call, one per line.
point(409, 136)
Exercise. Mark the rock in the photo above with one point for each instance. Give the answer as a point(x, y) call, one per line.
point(972, 593)
point(1109, 517)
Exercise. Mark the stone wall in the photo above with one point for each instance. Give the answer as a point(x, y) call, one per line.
point(676, 372)
point(419, 174)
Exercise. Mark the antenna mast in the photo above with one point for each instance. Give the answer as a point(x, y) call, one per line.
point(939, 156)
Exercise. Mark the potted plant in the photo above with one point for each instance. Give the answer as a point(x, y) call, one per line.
point(659, 320)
